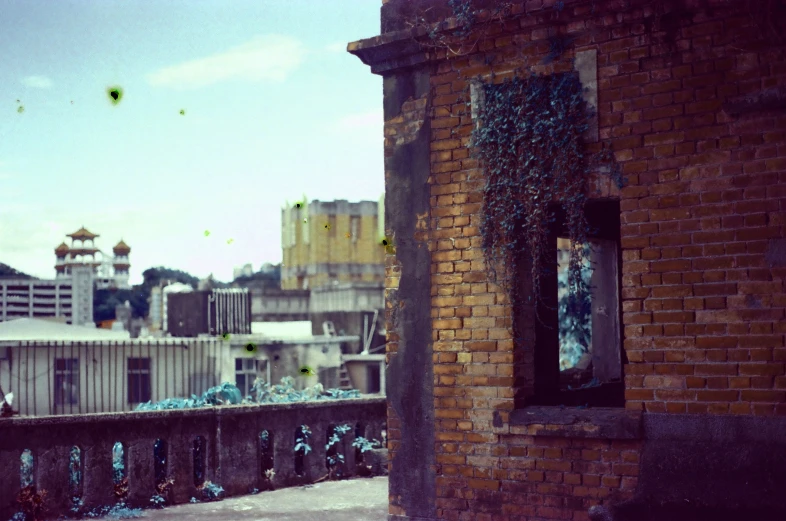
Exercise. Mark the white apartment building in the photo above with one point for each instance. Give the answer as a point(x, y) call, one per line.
point(66, 300)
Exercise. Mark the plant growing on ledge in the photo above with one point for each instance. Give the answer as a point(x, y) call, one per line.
point(301, 443)
point(529, 143)
point(335, 459)
point(210, 491)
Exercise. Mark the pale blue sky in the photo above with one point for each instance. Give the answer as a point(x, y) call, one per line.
point(274, 108)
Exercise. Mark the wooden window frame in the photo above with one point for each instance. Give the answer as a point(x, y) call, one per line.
point(66, 373)
point(247, 372)
point(144, 386)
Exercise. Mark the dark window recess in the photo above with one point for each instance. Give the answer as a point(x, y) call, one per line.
point(373, 378)
point(138, 380)
point(578, 342)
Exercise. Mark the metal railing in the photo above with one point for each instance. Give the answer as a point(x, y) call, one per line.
point(52, 378)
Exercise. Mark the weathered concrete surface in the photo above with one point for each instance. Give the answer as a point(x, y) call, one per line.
point(232, 449)
point(350, 500)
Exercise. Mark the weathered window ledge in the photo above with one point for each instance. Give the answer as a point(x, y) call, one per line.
point(605, 423)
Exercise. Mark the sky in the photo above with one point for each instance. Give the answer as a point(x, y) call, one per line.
point(274, 109)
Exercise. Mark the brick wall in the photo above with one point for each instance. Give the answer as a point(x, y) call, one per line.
point(703, 237)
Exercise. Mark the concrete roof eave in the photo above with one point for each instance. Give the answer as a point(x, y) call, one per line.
point(262, 340)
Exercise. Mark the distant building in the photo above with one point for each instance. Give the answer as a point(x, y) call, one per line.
point(326, 242)
point(108, 271)
point(156, 309)
point(123, 315)
point(25, 298)
point(281, 349)
point(244, 271)
point(271, 304)
point(208, 312)
point(354, 308)
point(82, 278)
point(168, 289)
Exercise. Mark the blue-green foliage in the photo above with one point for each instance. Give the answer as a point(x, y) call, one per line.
point(19, 516)
point(365, 445)
point(223, 394)
point(26, 468)
point(211, 491)
point(530, 145)
point(264, 441)
point(118, 465)
point(193, 500)
point(158, 501)
point(338, 433)
point(116, 512)
point(76, 504)
point(301, 442)
point(74, 468)
point(575, 317)
point(229, 394)
point(464, 13)
point(160, 458)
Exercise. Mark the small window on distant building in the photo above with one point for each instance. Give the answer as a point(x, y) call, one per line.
point(306, 225)
point(355, 228)
point(246, 371)
point(332, 222)
point(293, 228)
point(66, 381)
point(139, 390)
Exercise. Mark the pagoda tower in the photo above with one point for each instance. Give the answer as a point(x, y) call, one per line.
point(61, 252)
point(82, 251)
point(121, 264)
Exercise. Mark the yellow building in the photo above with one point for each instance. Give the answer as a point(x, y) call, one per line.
point(332, 241)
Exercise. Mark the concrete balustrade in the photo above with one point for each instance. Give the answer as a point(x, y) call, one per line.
point(232, 450)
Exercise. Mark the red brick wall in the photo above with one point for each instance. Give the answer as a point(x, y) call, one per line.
point(703, 282)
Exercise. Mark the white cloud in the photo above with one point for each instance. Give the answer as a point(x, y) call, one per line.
point(271, 57)
point(37, 82)
point(361, 121)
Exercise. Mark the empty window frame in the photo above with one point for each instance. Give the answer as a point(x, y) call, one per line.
point(139, 390)
point(578, 342)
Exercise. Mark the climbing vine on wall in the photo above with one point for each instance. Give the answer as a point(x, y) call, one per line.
point(472, 25)
point(529, 143)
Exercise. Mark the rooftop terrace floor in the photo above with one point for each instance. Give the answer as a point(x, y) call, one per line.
point(360, 499)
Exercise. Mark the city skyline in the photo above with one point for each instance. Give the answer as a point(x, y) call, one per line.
point(272, 108)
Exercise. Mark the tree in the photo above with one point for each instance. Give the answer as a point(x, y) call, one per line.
point(153, 276)
point(271, 278)
point(7, 272)
point(105, 300)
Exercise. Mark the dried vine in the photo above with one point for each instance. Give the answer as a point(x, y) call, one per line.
point(530, 145)
point(471, 22)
